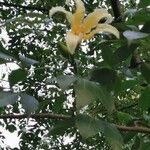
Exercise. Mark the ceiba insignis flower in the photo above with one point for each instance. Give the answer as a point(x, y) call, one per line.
point(84, 28)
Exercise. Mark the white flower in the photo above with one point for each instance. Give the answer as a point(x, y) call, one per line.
point(84, 28)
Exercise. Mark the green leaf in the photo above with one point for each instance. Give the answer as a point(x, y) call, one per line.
point(42, 105)
point(16, 76)
point(58, 104)
point(144, 3)
point(107, 53)
point(136, 143)
point(146, 117)
point(60, 127)
point(130, 12)
point(140, 17)
point(128, 84)
point(27, 61)
point(134, 35)
point(88, 91)
point(127, 136)
point(145, 70)
point(65, 81)
point(144, 145)
point(7, 98)
point(89, 126)
point(29, 103)
point(122, 53)
point(106, 99)
point(6, 56)
point(144, 101)
point(104, 76)
point(113, 136)
point(124, 117)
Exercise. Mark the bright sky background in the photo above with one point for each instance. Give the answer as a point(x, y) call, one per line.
point(12, 139)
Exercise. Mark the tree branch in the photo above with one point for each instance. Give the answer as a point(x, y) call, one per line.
point(134, 129)
point(137, 129)
point(116, 9)
point(35, 116)
point(24, 7)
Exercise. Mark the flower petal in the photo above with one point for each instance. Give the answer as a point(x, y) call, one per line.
point(93, 18)
point(102, 28)
point(78, 15)
point(68, 14)
point(72, 41)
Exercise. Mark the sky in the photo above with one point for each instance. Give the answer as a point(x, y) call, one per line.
point(11, 139)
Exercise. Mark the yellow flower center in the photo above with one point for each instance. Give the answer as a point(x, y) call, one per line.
point(76, 30)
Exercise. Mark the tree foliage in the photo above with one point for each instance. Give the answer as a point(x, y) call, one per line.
point(98, 98)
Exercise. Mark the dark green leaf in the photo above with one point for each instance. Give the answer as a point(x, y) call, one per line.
point(58, 104)
point(140, 17)
point(65, 81)
point(145, 69)
point(123, 53)
point(61, 126)
point(136, 144)
point(88, 91)
point(29, 103)
point(146, 117)
point(104, 76)
point(144, 101)
point(27, 61)
point(16, 76)
point(113, 136)
point(128, 136)
point(130, 12)
point(107, 54)
point(144, 3)
point(7, 98)
point(124, 117)
point(5, 56)
point(144, 145)
point(89, 126)
point(128, 84)
point(42, 105)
